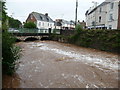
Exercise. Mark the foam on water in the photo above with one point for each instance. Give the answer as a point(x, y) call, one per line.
point(105, 62)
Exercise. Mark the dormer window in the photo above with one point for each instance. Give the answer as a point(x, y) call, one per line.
point(41, 18)
point(47, 19)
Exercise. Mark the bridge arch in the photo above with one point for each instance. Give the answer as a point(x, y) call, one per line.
point(31, 39)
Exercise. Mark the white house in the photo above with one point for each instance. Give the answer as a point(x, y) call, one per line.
point(43, 22)
point(64, 24)
point(103, 16)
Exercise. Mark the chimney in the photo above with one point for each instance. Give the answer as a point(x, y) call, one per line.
point(46, 14)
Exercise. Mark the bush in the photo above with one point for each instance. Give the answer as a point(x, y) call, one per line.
point(106, 40)
point(29, 25)
point(10, 53)
point(78, 29)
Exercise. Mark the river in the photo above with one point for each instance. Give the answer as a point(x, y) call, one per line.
point(50, 64)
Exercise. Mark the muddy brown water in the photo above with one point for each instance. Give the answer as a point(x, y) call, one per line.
point(49, 64)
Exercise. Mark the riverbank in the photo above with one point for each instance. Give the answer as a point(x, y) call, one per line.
point(105, 40)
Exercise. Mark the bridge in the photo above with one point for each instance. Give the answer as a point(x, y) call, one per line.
point(23, 34)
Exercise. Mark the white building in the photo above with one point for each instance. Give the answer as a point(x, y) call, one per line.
point(64, 24)
point(43, 22)
point(103, 16)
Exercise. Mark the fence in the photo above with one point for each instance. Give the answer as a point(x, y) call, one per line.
point(26, 30)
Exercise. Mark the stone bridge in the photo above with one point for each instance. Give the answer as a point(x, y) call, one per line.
point(24, 36)
point(39, 36)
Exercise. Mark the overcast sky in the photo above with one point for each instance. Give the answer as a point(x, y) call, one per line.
point(64, 9)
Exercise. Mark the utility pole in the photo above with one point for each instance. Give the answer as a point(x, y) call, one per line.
point(76, 12)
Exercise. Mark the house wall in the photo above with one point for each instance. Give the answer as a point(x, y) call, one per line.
point(101, 14)
point(114, 12)
point(31, 18)
point(63, 24)
point(40, 24)
point(45, 25)
point(90, 18)
point(105, 16)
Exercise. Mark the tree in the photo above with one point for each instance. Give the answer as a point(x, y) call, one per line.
point(29, 25)
point(8, 21)
point(10, 52)
point(4, 16)
point(14, 23)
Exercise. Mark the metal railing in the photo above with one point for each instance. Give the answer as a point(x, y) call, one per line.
point(26, 30)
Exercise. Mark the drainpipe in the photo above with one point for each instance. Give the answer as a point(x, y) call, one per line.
point(118, 16)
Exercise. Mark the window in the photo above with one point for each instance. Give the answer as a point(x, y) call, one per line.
point(110, 26)
point(99, 19)
point(111, 5)
point(100, 10)
point(93, 23)
point(47, 19)
point(50, 25)
point(43, 24)
point(111, 17)
point(41, 18)
point(39, 23)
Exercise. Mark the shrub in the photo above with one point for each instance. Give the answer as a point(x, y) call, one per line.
point(29, 25)
point(78, 29)
point(10, 53)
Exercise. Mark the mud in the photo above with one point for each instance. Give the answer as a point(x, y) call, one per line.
point(49, 64)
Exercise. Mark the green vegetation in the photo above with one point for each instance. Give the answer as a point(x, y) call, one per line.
point(10, 52)
point(8, 22)
point(14, 23)
point(4, 16)
point(106, 40)
point(29, 25)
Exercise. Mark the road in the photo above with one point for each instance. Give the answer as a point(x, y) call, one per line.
point(49, 64)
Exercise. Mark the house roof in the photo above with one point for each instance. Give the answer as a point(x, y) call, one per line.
point(62, 21)
point(65, 22)
point(102, 4)
point(42, 17)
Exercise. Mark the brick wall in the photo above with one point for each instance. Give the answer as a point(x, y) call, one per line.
point(29, 19)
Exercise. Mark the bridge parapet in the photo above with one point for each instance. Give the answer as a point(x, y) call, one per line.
point(23, 38)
